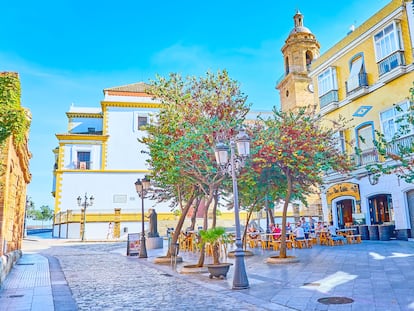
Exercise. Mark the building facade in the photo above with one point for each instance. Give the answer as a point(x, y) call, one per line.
point(366, 79)
point(100, 156)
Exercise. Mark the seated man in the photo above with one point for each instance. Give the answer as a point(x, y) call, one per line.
point(332, 232)
point(299, 232)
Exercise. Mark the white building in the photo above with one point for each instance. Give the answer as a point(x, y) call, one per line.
point(101, 156)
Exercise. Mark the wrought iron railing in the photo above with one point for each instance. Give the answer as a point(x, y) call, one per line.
point(356, 82)
point(393, 61)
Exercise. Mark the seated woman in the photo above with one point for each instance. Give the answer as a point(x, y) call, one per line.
point(253, 232)
point(277, 232)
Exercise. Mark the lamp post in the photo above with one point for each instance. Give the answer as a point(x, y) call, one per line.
point(236, 162)
point(142, 187)
point(86, 202)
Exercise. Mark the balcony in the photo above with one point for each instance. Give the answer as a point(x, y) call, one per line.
point(356, 82)
point(391, 62)
point(395, 147)
point(330, 97)
point(365, 157)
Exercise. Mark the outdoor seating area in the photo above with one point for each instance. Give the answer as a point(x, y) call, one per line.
point(190, 241)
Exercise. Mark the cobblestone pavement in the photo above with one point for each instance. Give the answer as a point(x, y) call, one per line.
point(102, 279)
point(374, 275)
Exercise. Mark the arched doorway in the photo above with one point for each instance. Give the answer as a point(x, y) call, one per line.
point(344, 209)
point(410, 201)
point(380, 208)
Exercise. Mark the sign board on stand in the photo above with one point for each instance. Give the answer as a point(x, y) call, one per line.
point(133, 244)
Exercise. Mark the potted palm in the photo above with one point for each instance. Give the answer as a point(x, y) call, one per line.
point(214, 236)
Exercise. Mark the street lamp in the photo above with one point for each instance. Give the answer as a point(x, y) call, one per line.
point(236, 162)
point(86, 202)
point(142, 187)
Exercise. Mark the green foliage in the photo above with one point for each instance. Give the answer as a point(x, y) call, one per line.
point(212, 235)
point(181, 142)
point(296, 147)
point(44, 213)
point(291, 152)
point(398, 151)
point(13, 118)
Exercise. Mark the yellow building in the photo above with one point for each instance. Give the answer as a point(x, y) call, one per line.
point(363, 78)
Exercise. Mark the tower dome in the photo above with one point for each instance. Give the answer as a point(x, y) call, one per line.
point(299, 28)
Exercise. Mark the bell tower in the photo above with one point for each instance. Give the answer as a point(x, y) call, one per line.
point(300, 48)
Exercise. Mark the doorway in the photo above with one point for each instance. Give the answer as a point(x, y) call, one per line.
point(380, 207)
point(344, 210)
point(410, 201)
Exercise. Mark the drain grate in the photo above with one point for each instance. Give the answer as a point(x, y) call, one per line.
point(335, 300)
point(166, 274)
point(15, 296)
point(25, 264)
point(311, 284)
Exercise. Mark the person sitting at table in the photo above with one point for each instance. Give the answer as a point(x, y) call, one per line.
point(253, 232)
point(306, 227)
point(332, 229)
point(288, 227)
point(319, 226)
point(299, 232)
point(277, 232)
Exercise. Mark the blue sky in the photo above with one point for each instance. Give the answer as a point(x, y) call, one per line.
point(68, 51)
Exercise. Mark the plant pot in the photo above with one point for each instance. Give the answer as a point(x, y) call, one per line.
point(219, 270)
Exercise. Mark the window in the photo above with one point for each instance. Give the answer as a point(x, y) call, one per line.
point(142, 121)
point(394, 121)
point(327, 81)
point(357, 75)
point(340, 141)
point(389, 48)
point(365, 138)
point(327, 87)
point(387, 41)
point(84, 160)
point(365, 143)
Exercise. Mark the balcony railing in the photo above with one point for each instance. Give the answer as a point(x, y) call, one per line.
point(83, 165)
point(356, 82)
point(365, 157)
point(330, 97)
point(393, 61)
point(396, 146)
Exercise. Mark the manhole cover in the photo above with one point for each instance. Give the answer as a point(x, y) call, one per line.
point(311, 284)
point(16, 296)
point(335, 300)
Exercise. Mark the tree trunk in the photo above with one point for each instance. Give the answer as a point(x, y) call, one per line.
point(194, 216)
point(282, 253)
point(214, 222)
point(244, 240)
point(200, 262)
point(180, 223)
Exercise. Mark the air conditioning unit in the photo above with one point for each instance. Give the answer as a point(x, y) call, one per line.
point(82, 165)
